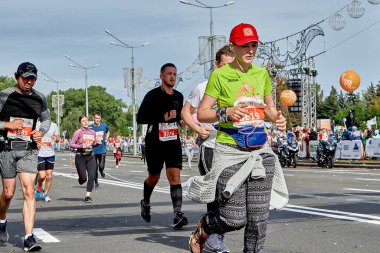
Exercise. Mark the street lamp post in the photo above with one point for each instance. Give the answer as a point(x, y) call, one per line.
point(79, 66)
point(205, 6)
point(133, 86)
point(50, 79)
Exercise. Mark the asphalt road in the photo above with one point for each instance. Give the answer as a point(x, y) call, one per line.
point(329, 211)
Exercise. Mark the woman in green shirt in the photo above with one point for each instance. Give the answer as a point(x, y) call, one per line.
point(242, 92)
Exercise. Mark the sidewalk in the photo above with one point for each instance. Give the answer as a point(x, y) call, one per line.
point(367, 164)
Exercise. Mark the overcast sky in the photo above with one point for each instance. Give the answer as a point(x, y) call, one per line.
point(44, 31)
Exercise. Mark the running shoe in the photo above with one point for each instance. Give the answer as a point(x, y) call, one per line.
point(37, 194)
point(96, 186)
point(46, 198)
point(102, 174)
point(3, 232)
point(145, 212)
point(88, 199)
point(179, 221)
point(216, 244)
point(31, 245)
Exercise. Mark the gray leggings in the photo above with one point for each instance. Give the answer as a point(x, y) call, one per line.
point(248, 207)
point(86, 165)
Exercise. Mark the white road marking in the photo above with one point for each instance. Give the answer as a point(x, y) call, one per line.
point(360, 190)
point(44, 236)
point(367, 179)
point(290, 208)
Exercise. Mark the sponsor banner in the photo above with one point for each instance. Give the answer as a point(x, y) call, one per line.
point(313, 145)
point(351, 149)
point(302, 149)
point(372, 147)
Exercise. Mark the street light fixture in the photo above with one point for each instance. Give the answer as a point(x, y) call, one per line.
point(50, 79)
point(133, 86)
point(205, 6)
point(79, 66)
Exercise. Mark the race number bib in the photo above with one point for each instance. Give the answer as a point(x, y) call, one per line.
point(24, 133)
point(87, 140)
point(255, 108)
point(46, 142)
point(99, 136)
point(167, 131)
point(117, 144)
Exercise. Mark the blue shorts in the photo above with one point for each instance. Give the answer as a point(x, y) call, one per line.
point(45, 163)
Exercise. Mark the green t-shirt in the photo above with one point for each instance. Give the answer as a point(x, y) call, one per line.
point(227, 85)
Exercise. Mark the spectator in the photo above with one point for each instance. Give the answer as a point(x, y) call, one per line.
point(356, 134)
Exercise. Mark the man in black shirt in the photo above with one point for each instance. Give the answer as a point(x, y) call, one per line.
point(20, 107)
point(161, 110)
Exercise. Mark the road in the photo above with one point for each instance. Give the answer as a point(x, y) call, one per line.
point(329, 211)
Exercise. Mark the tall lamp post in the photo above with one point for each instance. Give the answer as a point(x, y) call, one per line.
point(133, 86)
point(50, 79)
point(205, 6)
point(79, 66)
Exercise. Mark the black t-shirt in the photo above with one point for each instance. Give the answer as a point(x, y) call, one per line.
point(17, 105)
point(153, 108)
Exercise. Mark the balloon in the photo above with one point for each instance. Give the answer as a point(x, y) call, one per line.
point(288, 97)
point(349, 80)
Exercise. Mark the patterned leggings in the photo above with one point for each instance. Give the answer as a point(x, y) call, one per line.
point(248, 206)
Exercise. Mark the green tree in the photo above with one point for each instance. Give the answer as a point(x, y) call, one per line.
point(330, 104)
point(6, 82)
point(99, 100)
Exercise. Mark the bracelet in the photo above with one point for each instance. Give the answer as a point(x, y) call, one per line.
point(221, 113)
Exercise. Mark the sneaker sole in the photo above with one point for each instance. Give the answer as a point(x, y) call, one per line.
point(33, 248)
point(207, 248)
point(181, 223)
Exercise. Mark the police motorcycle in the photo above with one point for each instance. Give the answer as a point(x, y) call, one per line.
point(287, 151)
point(326, 152)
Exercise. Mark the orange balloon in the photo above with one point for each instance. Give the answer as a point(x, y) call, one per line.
point(349, 80)
point(288, 97)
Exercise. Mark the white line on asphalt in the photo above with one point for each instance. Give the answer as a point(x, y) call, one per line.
point(335, 212)
point(44, 236)
point(360, 190)
point(341, 217)
point(290, 208)
point(367, 179)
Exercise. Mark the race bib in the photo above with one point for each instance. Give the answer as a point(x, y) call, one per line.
point(46, 142)
point(99, 135)
point(255, 107)
point(24, 133)
point(167, 131)
point(117, 144)
point(87, 140)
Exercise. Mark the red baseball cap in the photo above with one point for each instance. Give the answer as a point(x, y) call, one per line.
point(243, 33)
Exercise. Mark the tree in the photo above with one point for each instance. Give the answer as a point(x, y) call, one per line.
point(6, 82)
point(330, 104)
point(99, 100)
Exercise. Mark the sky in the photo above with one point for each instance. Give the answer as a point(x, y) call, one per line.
point(44, 31)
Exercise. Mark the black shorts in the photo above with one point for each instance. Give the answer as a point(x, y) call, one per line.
point(45, 163)
point(157, 154)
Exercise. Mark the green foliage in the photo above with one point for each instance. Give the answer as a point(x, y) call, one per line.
point(338, 105)
point(6, 82)
point(111, 109)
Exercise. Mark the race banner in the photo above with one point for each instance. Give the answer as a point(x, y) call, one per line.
point(372, 147)
point(313, 145)
point(351, 149)
point(302, 149)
